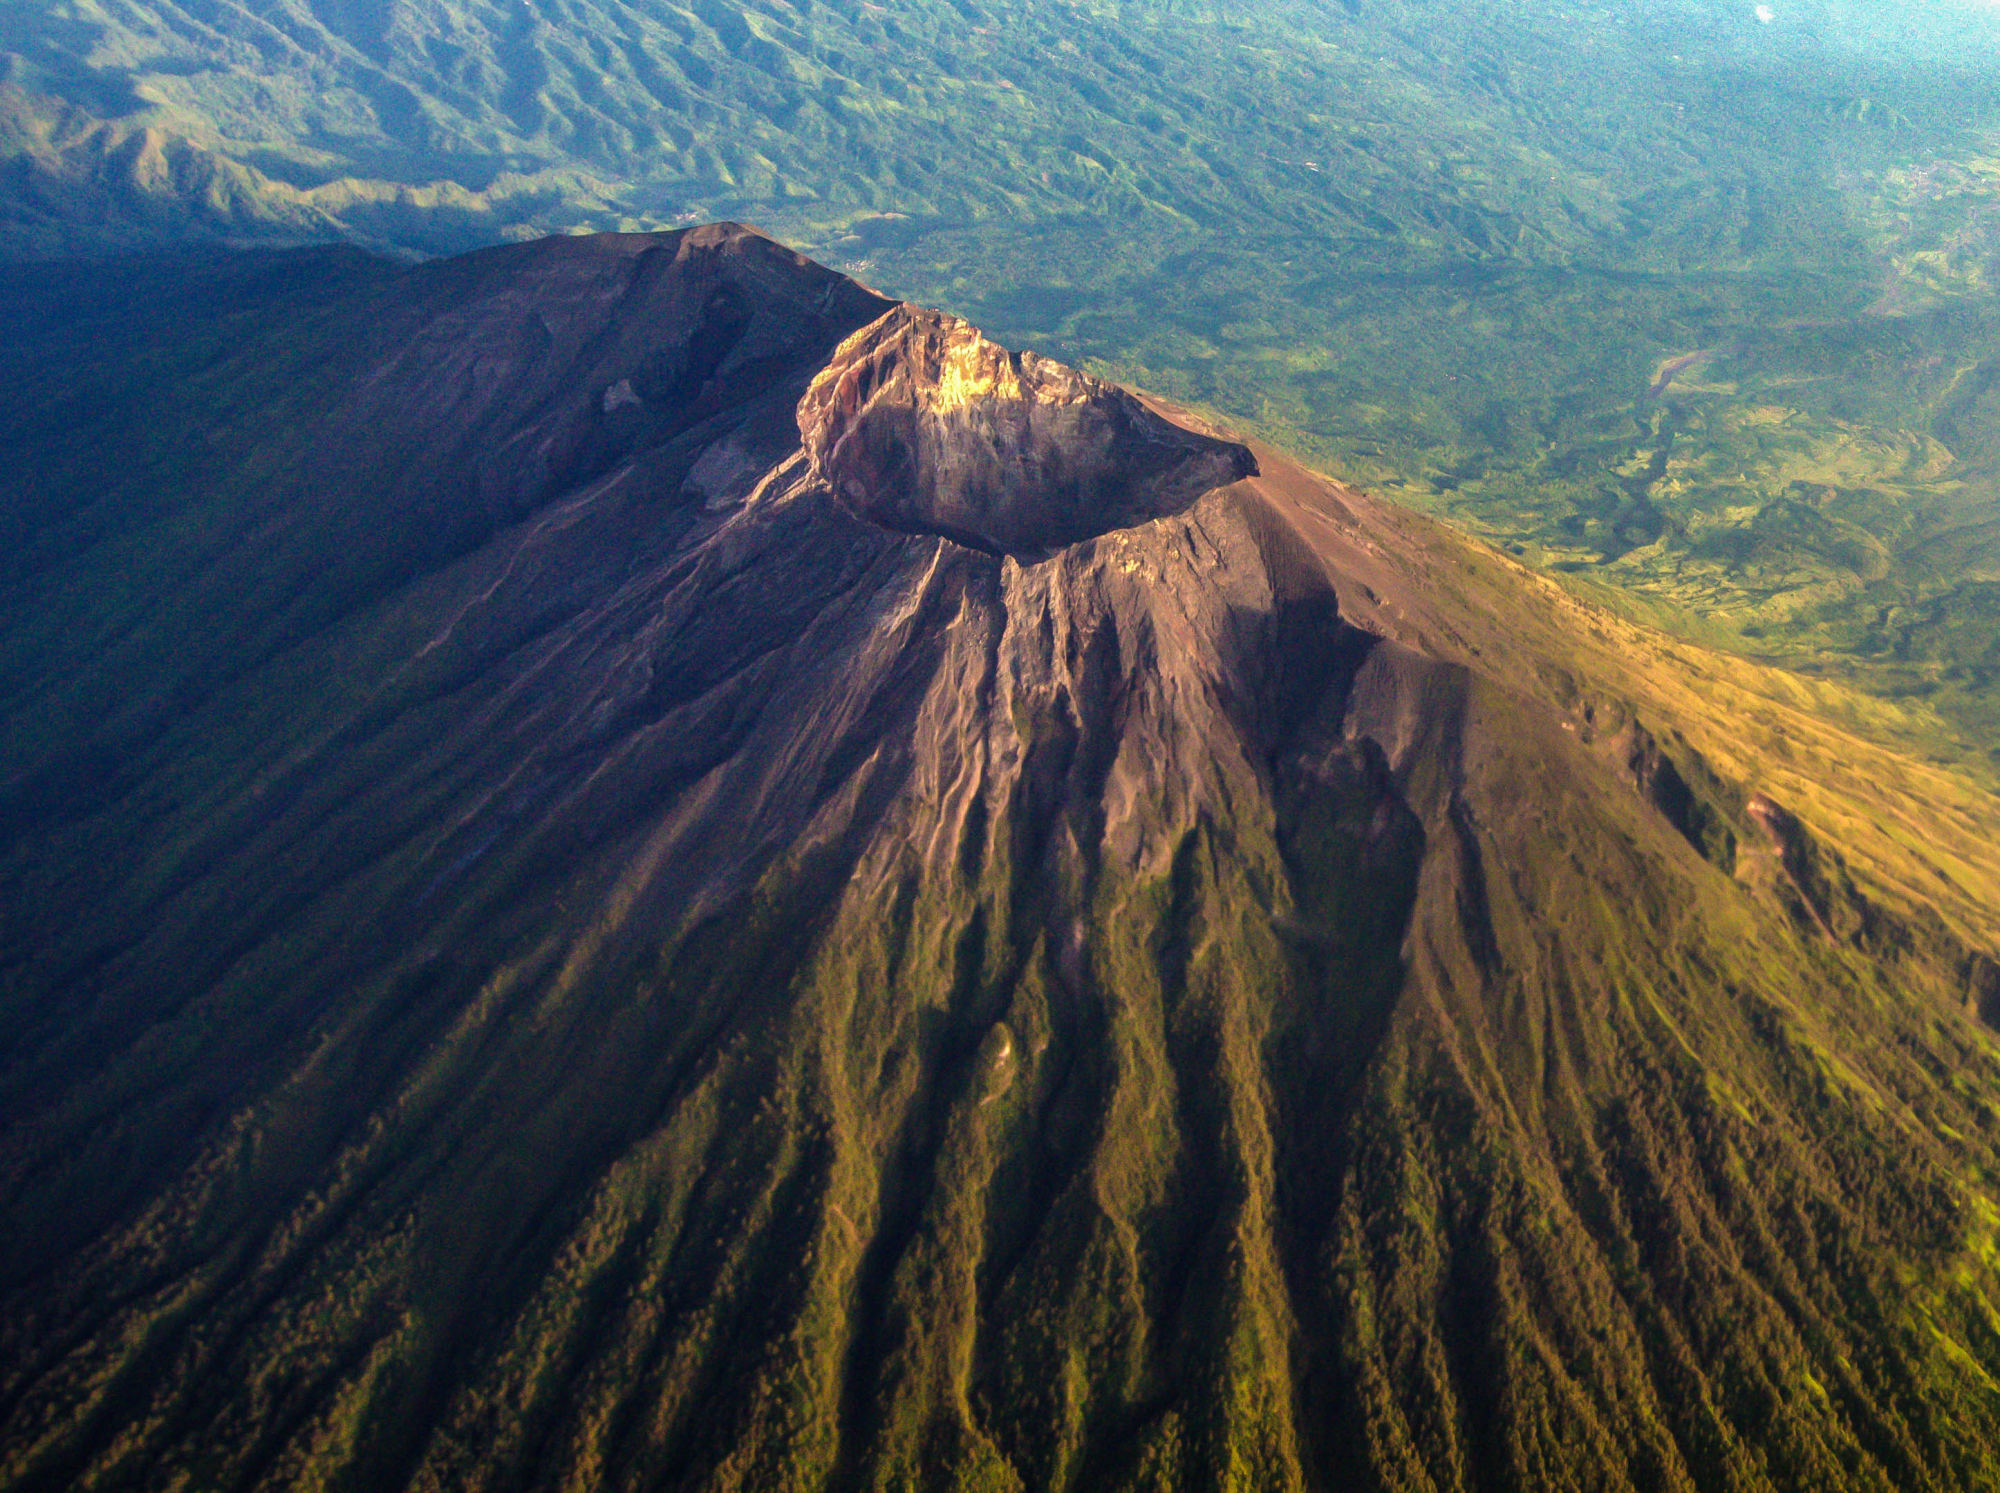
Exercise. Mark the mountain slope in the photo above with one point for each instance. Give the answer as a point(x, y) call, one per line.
point(650, 870)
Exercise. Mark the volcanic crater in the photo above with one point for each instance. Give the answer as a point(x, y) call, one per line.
point(919, 423)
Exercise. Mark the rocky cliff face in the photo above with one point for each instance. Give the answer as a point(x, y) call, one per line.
point(920, 424)
point(691, 880)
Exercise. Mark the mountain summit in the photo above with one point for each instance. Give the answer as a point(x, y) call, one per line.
point(921, 424)
point(634, 867)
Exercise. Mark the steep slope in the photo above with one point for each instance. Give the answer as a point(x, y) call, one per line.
point(658, 872)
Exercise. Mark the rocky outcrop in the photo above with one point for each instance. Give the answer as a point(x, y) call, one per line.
point(920, 424)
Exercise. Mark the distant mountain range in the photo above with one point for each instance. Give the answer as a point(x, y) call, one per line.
point(1398, 129)
point(630, 865)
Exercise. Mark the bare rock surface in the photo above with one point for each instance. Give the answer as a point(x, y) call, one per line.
point(919, 423)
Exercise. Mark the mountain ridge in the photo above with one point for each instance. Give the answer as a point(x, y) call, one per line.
point(558, 953)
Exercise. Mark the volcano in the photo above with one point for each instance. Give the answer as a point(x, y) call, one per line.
point(631, 866)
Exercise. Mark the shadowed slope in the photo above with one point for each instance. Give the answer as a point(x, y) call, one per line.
point(560, 952)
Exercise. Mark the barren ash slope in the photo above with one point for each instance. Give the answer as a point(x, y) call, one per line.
point(631, 867)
